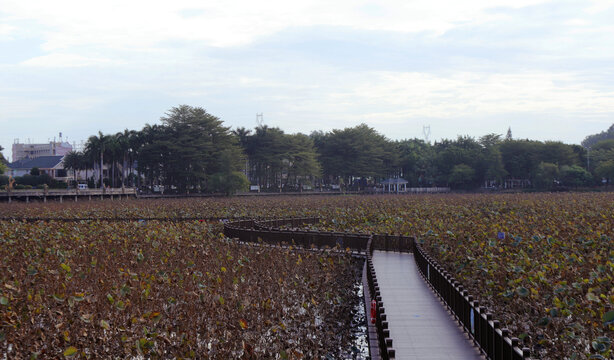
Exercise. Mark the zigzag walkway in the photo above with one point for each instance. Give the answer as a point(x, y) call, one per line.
point(418, 310)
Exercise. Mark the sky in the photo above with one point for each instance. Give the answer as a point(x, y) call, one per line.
point(545, 69)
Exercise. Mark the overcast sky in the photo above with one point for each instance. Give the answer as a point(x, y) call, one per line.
point(545, 68)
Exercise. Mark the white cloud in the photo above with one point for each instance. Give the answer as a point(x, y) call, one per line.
point(6, 30)
point(140, 23)
point(87, 59)
point(466, 94)
point(60, 60)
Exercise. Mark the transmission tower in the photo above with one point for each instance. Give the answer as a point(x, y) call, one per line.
point(259, 119)
point(426, 130)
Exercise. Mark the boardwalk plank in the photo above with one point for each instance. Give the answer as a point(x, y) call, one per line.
point(421, 328)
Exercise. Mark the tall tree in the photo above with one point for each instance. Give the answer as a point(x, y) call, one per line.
point(359, 151)
point(3, 164)
point(416, 161)
point(302, 162)
point(591, 140)
point(465, 151)
point(520, 157)
point(266, 150)
point(187, 149)
point(605, 170)
point(575, 176)
point(122, 152)
point(546, 175)
point(72, 161)
point(95, 147)
point(495, 170)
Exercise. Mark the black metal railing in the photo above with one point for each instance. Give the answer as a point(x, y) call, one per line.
point(120, 218)
point(276, 232)
point(496, 343)
point(386, 350)
point(269, 232)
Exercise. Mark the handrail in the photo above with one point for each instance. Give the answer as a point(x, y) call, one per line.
point(118, 219)
point(486, 333)
point(69, 192)
point(496, 343)
point(384, 340)
point(270, 232)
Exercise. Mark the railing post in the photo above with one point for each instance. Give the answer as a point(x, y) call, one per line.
point(515, 343)
point(497, 340)
point(506, 350)
point(490, 337)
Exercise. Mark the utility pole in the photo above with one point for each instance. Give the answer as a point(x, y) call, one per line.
point(426, 131)
point(259, 119)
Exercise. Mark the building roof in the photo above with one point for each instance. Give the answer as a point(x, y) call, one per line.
point(42, 162)
point(394, 181)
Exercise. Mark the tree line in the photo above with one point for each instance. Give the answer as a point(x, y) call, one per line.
point(191, 150)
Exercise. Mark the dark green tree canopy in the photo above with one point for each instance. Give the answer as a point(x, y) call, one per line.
point(3, 162)
point(187, 148)
point(191, 150)
point(359, 152)
point(591, 140)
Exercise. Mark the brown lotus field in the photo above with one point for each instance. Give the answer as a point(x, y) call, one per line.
point(542, 263)
point(167, 290)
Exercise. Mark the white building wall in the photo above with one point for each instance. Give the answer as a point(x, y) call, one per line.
point(31, 151)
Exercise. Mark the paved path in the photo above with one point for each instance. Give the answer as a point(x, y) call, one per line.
point(420, 326)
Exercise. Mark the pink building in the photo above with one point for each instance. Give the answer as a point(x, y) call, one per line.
point(32, 151)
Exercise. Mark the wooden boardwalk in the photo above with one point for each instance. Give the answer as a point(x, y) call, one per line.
point(420, 326)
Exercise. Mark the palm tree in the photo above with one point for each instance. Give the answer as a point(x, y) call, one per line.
point(96, 147)
point(135, 143)
point(84, 163)
point(2, 162)
point(72, 162)
point(111, 152)
point(243, 135)
point(123, 148)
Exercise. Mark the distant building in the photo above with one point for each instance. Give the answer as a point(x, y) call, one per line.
point(395, 185)
point(50, 165)
point(516, 183)
point(33, 151)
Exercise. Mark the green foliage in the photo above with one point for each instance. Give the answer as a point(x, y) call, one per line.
point(35, 171)
point(95, 152)
point(74, 161)
point(461, 175)
point(189, 145)
point(416, 161)
point(278, 159)
point(228, 183)
point(3, 161)
point(355, 152)
point(493, 161)
point(546, 175)
point(575, 176)
point(591, 140)
point(459, 163)
point(606, 170)
point(37, 181)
